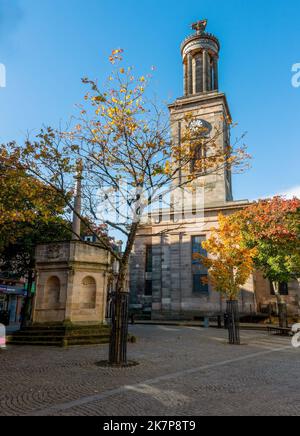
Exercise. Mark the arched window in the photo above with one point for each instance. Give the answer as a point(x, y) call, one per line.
point(52, 292)
point(88, 293)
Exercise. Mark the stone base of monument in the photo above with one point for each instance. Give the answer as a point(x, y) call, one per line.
point(61, 335)
point(71, 292)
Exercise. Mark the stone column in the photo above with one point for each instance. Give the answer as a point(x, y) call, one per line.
point(190, 73)
point(156, 274)
point(179, 145)
point(216, 74)
point(205, 71)
point(185, 78)
point(199, 74)
point(76, 225)
point(209, 73)
point(194, 69)
point(166, 274)
point(175, 274)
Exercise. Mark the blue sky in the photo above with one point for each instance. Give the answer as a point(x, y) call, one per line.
point(48, 45)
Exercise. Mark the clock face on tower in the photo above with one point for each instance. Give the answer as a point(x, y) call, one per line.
point(201, 126)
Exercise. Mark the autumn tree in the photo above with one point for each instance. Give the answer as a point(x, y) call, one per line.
point(230, 264)
point(122, 141)
point(272, 227)
point(23, 197)
point(30, 213)
point(17, 254)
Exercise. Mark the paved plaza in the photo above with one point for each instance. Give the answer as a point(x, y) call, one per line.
point(182, 371)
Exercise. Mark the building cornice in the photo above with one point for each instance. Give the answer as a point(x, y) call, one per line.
point(208, 36)
point(201, 98)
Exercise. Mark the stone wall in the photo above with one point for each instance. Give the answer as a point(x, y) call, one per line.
point(172, 275)
point(265, 297)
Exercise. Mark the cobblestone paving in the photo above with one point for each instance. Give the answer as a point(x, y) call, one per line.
point(182, 371)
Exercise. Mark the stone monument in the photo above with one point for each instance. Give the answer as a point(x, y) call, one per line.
point(71, 283)
point(71, 291)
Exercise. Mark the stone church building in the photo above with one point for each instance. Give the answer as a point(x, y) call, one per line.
point(164, 276)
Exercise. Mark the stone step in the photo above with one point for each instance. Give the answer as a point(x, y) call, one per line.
point(55, 337)
point(61, 335)
point(59, 341)
point(45, 327)
point(54, 342)
point(44, 344)
point(49, 333)
point(37, 333)
point(91, 341)
point(35, 338)
point(58, 328)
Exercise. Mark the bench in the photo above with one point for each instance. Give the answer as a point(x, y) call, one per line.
point(283, 331)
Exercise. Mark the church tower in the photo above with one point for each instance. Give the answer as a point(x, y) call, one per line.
point(165, 278)
point(207, 106)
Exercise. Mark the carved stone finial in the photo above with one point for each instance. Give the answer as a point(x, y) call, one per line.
point(199, 26)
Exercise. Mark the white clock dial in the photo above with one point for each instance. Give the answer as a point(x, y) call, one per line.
point(199, 124)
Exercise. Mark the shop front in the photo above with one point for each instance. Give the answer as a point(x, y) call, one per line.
point(11, 303)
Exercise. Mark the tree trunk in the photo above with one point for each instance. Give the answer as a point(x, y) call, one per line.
point(233, 322)
point(119, 325)
point(283, 316)
point(120, 305)
point(282, 307)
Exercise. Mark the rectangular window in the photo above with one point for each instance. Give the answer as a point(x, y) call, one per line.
point(197, 248)
point(198, 159)
point(148, 288)
point(199, 271)
point(283, 289)
point(200, 287)
point(149, 259)
point(148, 269)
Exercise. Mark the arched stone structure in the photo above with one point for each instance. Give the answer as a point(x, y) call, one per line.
point(88, 293)
point(52, 293)
point(200, 57)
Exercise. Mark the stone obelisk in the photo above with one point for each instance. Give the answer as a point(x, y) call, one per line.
point(76, 226)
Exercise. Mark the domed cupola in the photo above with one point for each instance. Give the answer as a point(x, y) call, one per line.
point(200, 55)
